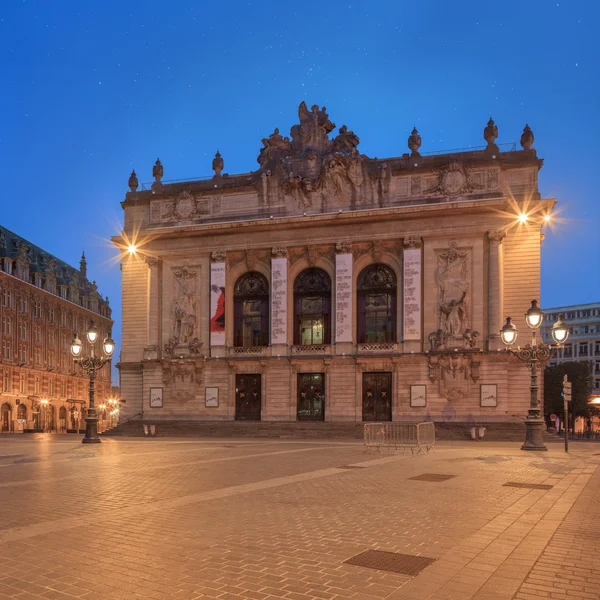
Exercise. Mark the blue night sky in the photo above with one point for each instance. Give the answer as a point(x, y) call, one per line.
point(92, 90)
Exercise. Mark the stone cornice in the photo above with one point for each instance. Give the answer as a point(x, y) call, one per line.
point(406, 212)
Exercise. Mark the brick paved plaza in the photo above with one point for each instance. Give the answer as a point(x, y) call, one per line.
point(229, 519)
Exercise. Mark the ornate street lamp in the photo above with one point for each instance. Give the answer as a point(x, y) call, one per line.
point(90, 365)
point(536, 356)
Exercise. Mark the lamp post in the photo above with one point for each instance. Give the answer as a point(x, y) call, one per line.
point(90, 365)
point(536, 356)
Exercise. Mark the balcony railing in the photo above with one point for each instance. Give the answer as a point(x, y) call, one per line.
point(374, 348)
point(315, 349)
point(249, 351)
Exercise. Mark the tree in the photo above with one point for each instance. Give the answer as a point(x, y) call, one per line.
point(579, 373)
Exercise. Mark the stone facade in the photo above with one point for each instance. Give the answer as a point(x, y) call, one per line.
point(330, 285)
point(42, 301)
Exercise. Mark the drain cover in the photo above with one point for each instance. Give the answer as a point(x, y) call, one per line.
point(432, 477)
point(405, 564)
point(529, 486)
point(351, 467)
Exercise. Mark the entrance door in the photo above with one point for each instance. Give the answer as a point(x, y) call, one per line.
point(6, 416)
point(247, 397)
point(311, 397)
point(377, 396)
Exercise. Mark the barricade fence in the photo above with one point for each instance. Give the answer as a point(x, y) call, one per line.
point(400, 435)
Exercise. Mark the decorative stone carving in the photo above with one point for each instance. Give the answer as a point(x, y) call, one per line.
point(452, 278)
point(527, 138)
point(311, 253)
point(184, 305)
point(437, 339)
point(313, 129)
point(414, 142)
point(170, 346)
point(217, 164)
point(152, 261)
point(218, 256)
point(454, 180)
point(413, 242)
point(195, 346)
point(186, 206)
point(274, 148)
point(542, 237)
point(470, 338)
point(454, 395)
point(279, 252)
point(492, 179)
point(182, 397)
point(343, 247)
point(345, 142)
point(157, 173)
point(133, 181)
point(496, 235)
point(453, 368)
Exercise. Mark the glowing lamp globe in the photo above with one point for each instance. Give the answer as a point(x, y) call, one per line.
point(560, 330)
point(534, 315)
point(508, 333)
point(76, 346)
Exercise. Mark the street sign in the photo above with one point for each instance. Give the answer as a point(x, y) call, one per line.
point(567, 389)
point(553, 417)
point(566, 393)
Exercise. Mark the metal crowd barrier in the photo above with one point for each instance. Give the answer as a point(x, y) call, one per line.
point(400, 435)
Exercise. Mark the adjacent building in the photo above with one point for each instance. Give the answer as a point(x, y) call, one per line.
point(43, 301)
point(329, 285)
point(584, 335)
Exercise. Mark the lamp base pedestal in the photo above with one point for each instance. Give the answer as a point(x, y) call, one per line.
point(91, 431)
point(534, 435)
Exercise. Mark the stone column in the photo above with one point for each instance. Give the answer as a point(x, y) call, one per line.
point(279, 303)
point(217, 303)
point(412, 289)
point(343, 298)
point(495, 288)
point(152, 349)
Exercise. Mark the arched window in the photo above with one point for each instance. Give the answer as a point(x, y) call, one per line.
point(312, 301)
point(251, 310)
point(376, 288)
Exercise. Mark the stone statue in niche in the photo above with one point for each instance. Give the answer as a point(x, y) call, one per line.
point(452, 280)
point(184, 305)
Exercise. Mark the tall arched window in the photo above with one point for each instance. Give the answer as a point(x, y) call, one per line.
point(376, 289)
point(251, 310)
point(312, 301)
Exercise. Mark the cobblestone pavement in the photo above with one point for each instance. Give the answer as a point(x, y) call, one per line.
point(230, 519)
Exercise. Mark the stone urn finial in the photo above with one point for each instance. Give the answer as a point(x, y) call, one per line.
point(527, 138)
point(157, 173)
point(217, 164)
point(414, 142)
point(490, 133)
point(133, 181)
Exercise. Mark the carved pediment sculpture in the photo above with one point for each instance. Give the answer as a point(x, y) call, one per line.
point(313, 129)
point(452, 277)
point(454, 180)
point(345, 142)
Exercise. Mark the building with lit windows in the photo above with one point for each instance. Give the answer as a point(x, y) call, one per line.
point(584, 335)
point(328, 285)
point(43, 301)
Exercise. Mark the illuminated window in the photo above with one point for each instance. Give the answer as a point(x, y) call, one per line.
point(312, 301)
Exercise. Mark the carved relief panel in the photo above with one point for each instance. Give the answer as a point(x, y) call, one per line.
point(453, 288)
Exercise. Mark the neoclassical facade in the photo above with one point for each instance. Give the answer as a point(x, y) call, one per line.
point(327, 285)
point(43, 300)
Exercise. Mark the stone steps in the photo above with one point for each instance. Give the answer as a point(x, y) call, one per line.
point(513, 432)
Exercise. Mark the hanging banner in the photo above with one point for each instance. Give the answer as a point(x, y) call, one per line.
point(279, 301)
point(412, 294)
point(343, 297)
point(217, 304)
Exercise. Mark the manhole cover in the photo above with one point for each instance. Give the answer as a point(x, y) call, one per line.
point(529, 486)
point(404, 564)
point(432, 477)
point(351, 467)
